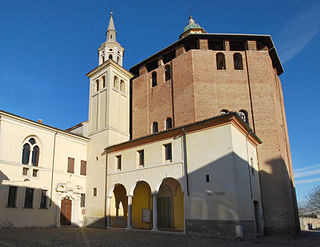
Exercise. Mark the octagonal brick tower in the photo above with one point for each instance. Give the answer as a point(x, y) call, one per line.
point(206, 74)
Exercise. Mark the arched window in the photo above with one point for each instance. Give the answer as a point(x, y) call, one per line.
point(237, 61)
point(168, 123)
point(221, 61)
point(25, 154)
point(155, 127)
point(116, 82)
point(110, 56)
point(30, 146)
point(224, 111)
point(122, 86)
point(168, 72)
point(154, 79)
point(97, 85)
point(244, 115)
point(102, 59)
point(35, 156)
point(118, 59)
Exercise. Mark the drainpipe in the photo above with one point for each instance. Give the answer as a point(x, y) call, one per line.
point(52, 171)
point(250, 182)
point(172, 96)
point(52, 168)
point(185, 160)
point(106, 194)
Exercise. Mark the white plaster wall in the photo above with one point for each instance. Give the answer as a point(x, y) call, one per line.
point(210, 152)
point(13, 132)
point(154, 171)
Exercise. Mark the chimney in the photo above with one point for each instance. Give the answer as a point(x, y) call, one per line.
point(40, 120)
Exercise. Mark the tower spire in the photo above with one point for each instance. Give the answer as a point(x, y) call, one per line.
point(111, 31)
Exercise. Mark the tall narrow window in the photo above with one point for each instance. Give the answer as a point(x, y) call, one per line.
point(155, 127)
point(168, 152)
point(83, 167)
point(118, 160)
point(122, 86)
point(168, 123)
point(116, 82)
point(12, 197)
point(154, 79)
point(95, 191)
point(30, 146)
point(244, 115)
point(25, 154)
point(102, 59)
point(168, 72)
point(110, 56)
point(118, 59)
point(103, 81)
point(35, 155)
point(28, 198)
point(237, 60)
point(141, 157)
point(70, 165)
point(221, 61)
point(97, 85)
point(44, 199)
point(83, 200)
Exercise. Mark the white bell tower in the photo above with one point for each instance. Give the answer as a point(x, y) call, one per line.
point(109, 102)
point(111, 49)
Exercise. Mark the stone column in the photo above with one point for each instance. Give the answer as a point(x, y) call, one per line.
point(154, 212)
point(129, 226)
point(108, 211)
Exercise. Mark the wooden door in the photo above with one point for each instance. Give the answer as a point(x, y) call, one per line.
point(65, 212)
point(164, 212)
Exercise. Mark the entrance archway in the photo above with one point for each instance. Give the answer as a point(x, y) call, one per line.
point(119, 207)
point(65, 212)
point(170, 206)
point(142, 206)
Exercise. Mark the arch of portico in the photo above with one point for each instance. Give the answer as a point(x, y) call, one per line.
point(157, 206)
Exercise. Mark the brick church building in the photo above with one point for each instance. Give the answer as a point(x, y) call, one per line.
point(193, 139)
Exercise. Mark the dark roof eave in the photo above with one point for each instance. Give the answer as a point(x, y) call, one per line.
point(230, 114)
point(272, 50)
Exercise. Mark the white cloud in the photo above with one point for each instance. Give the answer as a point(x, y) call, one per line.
point(307, 168)
point(307, 173)
point(307, 181)
point(298, 32)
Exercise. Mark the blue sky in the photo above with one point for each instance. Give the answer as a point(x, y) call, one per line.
point(47, 47)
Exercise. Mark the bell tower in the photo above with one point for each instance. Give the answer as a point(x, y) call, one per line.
point(111, 49)
point(109, 101)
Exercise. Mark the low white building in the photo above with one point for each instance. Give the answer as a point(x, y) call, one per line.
point(42, 174)
point(200, 178)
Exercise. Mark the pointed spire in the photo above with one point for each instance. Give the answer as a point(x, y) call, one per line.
point(111, 31)
point(111, 23)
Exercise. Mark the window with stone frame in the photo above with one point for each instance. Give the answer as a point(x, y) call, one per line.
point(70, 168)
point(83, 168)
point(30, 146)
point(12, 196)
point(44, 199)
point(168, 152)
point(28, 198)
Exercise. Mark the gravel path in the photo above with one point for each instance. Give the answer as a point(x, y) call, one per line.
point(116, 237)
